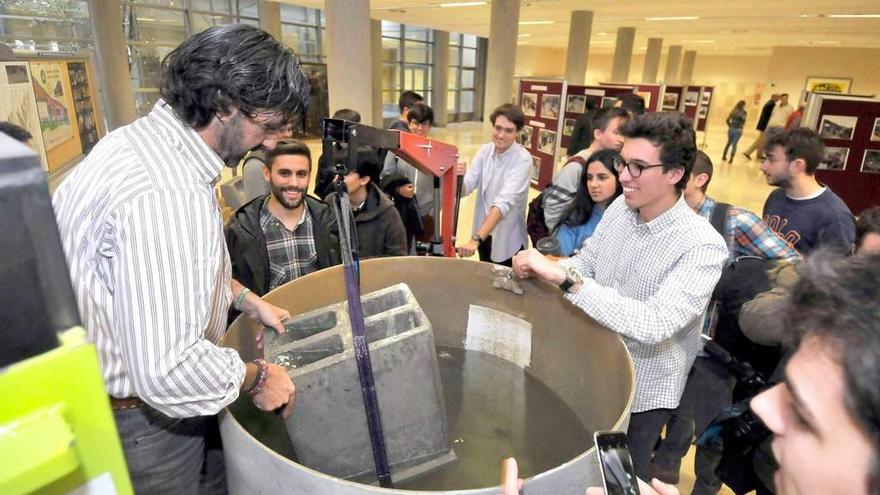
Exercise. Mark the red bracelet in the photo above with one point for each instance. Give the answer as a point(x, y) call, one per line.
point(262, 375)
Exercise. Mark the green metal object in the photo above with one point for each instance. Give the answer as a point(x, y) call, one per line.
point(57, 431)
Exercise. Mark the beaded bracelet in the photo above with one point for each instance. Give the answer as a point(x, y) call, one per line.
point(240, 299)
point(262, 375)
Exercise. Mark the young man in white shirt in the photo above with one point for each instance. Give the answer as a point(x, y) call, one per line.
point(500, 174)
point(647, 272)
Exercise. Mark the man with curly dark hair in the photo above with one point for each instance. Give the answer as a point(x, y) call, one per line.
point(647, 272)
point(143, 237)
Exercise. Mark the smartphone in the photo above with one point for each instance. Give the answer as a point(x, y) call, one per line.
point(618, 474)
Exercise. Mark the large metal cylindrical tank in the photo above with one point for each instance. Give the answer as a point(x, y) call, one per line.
point(587, 367)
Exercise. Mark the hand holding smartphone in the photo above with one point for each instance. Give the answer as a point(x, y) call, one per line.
point(618, 475)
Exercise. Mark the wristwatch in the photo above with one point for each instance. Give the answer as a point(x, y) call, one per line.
point(572, 278)
point(476, 237)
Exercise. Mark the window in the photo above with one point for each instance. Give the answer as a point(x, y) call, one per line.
point(407, 64)
point(462, 76)
point(46, 26)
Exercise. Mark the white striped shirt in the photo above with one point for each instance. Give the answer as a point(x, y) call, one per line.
point(143, 237)
point(651, 283)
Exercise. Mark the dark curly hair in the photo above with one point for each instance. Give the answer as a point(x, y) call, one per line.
point(233, 66)
point(674, 133)
point(868, 223)
point(799, 142)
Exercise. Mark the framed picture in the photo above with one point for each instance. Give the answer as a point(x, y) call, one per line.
point(568, 127)
point(835, 158)
point(707, 95)
point(608, 102)
point(576, 104)
point(875, 133)
point(529, 103)
point(703, 113)
point(525, 136)
point(828, 84)
point(838, 126)
point(691, 97)
point(536, 169)
point(547, 141)
point(871, 162)
point(550, 106)
point(670, 101)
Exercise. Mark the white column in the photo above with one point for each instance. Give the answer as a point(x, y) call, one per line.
point(270, 18)
point(349, 56)
point(623, 51)
point(440, 78)
point(578, 46)
point(376, 48)
point(673, 61)
point(652, 60)
point(687, 67)
point(117, 93)
point(503, 30)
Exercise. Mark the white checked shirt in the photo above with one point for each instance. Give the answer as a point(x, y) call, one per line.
point(143, 237)
point(651, 283)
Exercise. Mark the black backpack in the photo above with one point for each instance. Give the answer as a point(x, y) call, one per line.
point(535, 223)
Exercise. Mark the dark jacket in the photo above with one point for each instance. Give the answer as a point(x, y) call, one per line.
point(247, 246)
point(380, 231)
point(766, 112)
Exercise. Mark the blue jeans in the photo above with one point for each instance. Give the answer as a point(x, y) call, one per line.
point(733, 135)
point(168, 455)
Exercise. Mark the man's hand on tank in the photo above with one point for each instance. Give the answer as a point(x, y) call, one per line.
point(467, 249)
point(531, 263)
point(270, 316)
point(511, 484)
point(278, 391)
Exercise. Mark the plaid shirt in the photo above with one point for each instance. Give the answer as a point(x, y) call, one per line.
point(651, 283)
point(748, 235)
point(292, 254)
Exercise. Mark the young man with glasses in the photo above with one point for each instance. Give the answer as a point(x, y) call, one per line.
point(500, 176)
point(647, 272)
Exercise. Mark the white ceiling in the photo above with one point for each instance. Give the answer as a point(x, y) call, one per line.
point(743, 27)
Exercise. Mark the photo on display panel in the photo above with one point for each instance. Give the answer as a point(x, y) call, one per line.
point(835, 158)
point(550, 106)
point(529, 104)
point(838, 127)
point(646, 95)
point(875, 133)
point(608, 102)
point(524, 137)
point(536, 169)
point(707, 95)
point(568, 127)
point(690, 98)
point(704, 111)
point(547, 142)
point(670, 101)
point(576, 104)
point(871, 162)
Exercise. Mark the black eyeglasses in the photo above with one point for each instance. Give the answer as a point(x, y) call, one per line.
point(635, 167)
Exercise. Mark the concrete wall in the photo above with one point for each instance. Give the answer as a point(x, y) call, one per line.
point(791, 65)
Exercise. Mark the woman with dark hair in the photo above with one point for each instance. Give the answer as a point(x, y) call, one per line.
point(599, 186)
point(735, 122)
